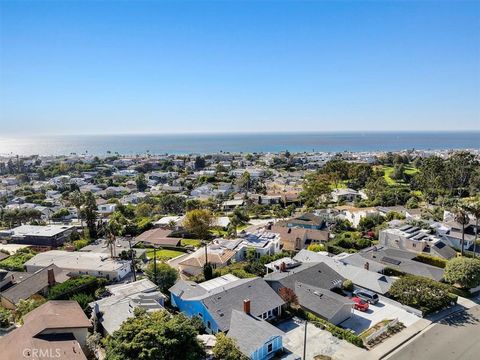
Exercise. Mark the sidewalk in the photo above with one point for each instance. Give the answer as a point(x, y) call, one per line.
point(391, 344)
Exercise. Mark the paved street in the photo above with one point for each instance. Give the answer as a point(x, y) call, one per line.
point(457, 337)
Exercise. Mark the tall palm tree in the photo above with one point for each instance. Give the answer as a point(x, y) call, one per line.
point(474, 209)
point(112, 230)
point(461, 216)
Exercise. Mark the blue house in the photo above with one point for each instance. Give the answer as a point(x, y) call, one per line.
point(213, 301)
point(256, 338)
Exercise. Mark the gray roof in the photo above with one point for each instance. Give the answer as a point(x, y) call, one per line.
point(322, 302)
point(222, 300)
point(381, 257)
point(33, 284)
point(316, 273)
point(250, 332)
point(358, 275)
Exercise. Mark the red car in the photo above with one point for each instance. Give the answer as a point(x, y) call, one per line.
point(360, 304)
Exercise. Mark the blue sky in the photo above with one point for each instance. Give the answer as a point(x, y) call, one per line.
point(165, 67)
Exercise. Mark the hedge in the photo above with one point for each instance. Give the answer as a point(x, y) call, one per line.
point(82, 284)
point(431, 260)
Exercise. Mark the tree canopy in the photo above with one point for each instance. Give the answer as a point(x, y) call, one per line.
point(463, 271)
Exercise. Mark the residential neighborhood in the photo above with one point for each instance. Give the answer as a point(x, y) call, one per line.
point(326, 272)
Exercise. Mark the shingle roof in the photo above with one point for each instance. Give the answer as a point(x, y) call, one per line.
point(358, 275)
point(51, 315)
point(322, 302)
point(222, 300)
point(33, 284)
point(316, 274)
point(250, 332)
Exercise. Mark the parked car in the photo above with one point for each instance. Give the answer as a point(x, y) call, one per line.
point(366, 295)
point(360, 304)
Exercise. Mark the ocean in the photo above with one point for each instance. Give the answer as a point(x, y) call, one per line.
point(240, 142)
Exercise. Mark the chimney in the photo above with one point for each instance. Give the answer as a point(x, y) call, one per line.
point(366, 266)
point(246, 306)
point(283, 267)
point(51, 277)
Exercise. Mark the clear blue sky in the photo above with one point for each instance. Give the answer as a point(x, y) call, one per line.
point(153, 67)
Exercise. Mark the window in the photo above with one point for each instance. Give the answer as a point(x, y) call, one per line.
point(200, 315)
point(270, 348)
point(209, 325)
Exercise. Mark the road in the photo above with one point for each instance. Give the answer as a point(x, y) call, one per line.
point(456, 337)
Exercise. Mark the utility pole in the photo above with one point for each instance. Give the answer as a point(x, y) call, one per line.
point(155, 263)
point(305, 341)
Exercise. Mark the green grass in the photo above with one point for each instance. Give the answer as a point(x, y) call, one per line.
point(191, 242)
point(388, 170)
point(164, 254)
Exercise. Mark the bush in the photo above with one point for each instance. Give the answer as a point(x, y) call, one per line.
point(5, 315)
point(316, 247)
point(463, 271)
point(82, 284)
point(431, 260)
point(78, 244)
point(348, 285)
point(16, 262)
point(422, 293)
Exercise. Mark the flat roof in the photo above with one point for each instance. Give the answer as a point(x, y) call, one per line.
point(38, 230)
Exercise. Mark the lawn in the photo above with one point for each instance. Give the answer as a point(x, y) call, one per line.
point(191, 242)
point(164, 254)
point(388, 170)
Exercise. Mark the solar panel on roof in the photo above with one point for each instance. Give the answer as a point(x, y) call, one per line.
point(440, 245)
point(391, 261)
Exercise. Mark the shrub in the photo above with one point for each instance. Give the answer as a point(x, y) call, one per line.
point(422, 293)
point(78, 244)
point(316, 247)
point(16, 261)
point(5, 315)
point(463, 271)
point(348, 285)
point(431, 260)
point(82, 284)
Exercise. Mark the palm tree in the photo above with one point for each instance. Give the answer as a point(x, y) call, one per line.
point(474, 209)
point(112, 230)
point(461, 216)
point(77, 199)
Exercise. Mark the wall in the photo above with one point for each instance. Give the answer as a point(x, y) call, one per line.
point(262, 353)
point(195, 308)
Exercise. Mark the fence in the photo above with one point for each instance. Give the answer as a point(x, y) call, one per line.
point(380, 331)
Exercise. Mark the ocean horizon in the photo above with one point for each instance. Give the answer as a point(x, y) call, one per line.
point(204, 143)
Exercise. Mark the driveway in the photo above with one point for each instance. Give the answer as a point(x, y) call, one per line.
point(361, 321)
point(319, 342)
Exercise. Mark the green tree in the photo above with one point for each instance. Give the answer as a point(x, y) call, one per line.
point(226, 349)
point(198, 222)
point(316, 189)
point(461, 216)
point(77, 199)
point(155, 336)
point(25, 306)
point(473, 207)
point(89, 212)
point(421, 293)
point(141, 182)
point(163, 275)
point(238, 218)
point(463, 271)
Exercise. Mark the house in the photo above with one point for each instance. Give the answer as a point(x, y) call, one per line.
point(213, 301)
point(106, 209)
point(256, 338)
point(56, 328)
point(354, 214)
point(264, 242)
point(378, 258)
point(412, 238)
point(81, 263)
point(345, 194)
point(37, 283)
point(296, 238)
point(360, 276)
point(313, 283)
point(324, 303)
point(219, 253)
point(452, 235)
point(158, 236)
point(231, 205)
point(48, 236)
point(113, 310)
point(167, 221)
point(306, 221)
